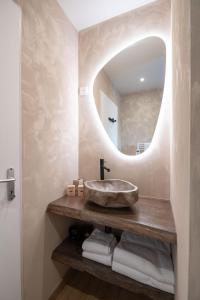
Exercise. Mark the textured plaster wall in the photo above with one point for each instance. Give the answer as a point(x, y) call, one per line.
point(50, 136)
point(180, 157)
point(194, 256)
point(139, 115)
point(97, 45)
point(185, 182)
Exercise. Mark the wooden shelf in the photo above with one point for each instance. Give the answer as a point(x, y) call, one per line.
point(69, 253)
point(150, 217)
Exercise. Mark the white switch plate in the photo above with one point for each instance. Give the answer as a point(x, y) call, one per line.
point(83, 91)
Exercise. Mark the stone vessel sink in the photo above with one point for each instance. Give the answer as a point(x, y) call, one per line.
point(111, 193)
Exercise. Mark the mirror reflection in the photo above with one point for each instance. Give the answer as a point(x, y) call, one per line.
point(128, 93)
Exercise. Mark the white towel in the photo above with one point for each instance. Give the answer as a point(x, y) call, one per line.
point(99, 242)
point(141, 277)
point(153, 263)
point(103, 259)
point(145, 241)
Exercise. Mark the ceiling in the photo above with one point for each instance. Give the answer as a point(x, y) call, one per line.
point(145, 59)
point(85, 13)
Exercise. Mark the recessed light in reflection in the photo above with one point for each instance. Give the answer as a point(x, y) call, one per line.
point(142, 79)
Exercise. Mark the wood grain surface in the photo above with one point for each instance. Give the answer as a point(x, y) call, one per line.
point(70, 254)
point(150, 217)
point(82, 286)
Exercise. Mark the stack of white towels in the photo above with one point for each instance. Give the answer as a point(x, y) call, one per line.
point(141, 258)
point(145, 260)
point(99, 246)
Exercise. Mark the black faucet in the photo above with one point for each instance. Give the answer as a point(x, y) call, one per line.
point(102, 168)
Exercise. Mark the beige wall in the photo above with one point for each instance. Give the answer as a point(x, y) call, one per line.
point(139, 115)
point(50, 137)
point(180, 165)
point(194, 256)
point(96, 47)
point(185, 184)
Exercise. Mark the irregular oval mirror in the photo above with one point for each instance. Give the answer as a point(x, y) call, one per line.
point(128, 93)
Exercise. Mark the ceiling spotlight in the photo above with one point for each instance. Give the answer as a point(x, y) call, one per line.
point(142, 79)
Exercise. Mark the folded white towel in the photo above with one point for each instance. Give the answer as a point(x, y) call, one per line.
point(153, 263)
point(103, 259)
point(141, 277)
point(146, 241)
point(99, 242)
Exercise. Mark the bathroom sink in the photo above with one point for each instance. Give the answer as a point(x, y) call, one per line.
point(111, 193)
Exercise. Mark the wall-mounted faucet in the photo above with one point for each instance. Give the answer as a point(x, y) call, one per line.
point(102, 168)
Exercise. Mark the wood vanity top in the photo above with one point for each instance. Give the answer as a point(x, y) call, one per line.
point(150, 217)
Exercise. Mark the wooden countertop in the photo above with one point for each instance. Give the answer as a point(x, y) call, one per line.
point(150, 217)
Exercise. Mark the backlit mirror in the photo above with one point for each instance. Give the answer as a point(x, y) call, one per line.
point(128, 93)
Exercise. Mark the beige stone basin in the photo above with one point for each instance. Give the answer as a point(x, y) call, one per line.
point(111, 193)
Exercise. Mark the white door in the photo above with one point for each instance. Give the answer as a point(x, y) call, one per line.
point(109, 117)
point(10, 264)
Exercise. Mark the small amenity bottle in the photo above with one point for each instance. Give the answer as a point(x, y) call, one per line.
point(71, 190)
point(80, 190)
